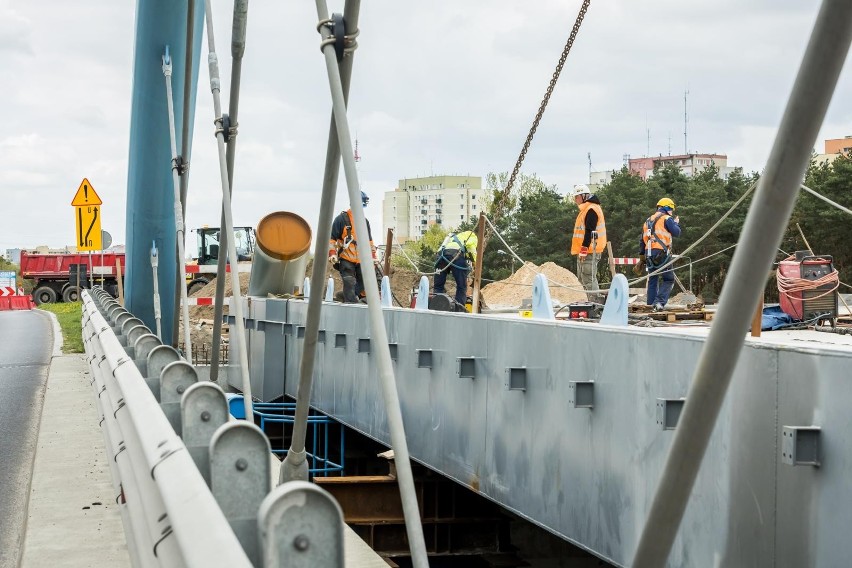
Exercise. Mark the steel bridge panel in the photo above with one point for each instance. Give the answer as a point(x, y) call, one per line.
point(815, 503)
point(589, 475)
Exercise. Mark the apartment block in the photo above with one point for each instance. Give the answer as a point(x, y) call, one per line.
point(418, 203)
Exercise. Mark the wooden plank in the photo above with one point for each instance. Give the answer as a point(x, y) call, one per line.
point(757, 319)
point(610, 259)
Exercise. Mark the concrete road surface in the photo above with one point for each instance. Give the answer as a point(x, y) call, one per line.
point(26, 345)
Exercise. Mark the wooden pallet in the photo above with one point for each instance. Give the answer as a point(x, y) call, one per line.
point(673, 316)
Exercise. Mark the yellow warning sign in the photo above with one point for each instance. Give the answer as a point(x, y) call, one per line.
point(88, 221)
point(86, 195)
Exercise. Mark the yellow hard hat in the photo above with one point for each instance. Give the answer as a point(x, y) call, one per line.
point(666, 202)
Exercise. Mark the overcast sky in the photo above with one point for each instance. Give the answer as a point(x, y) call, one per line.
point(441, 87)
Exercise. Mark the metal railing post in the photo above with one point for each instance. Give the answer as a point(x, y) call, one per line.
point(300, 524)
point(203, 409)
point(240, 478)
point(175, 379)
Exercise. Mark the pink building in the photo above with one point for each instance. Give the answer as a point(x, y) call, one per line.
point(689, 164)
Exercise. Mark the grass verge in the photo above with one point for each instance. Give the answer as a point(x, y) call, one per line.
point(69, 315)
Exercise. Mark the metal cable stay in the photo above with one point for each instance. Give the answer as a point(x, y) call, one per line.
point(221, 128)
point(180, 214)
point(337, 46)
point(238, 48)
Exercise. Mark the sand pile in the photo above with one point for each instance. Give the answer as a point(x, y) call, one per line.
point(513, 290)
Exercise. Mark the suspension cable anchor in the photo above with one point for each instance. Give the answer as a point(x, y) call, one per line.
point(343, 44)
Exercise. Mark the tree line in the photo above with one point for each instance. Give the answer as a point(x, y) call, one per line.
point(540, 220)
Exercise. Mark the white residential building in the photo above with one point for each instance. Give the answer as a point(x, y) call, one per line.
point(418, 203)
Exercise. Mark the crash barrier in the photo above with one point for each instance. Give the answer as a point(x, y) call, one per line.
point(193, 486)
point(16, 303)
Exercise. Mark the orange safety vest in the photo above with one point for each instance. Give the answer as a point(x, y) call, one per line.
point(656, 236)
point(580, 229)
point(347, 245)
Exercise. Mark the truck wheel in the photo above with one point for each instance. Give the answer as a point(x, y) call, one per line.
point(71, 294)
point(196, 285)
point(44, 295)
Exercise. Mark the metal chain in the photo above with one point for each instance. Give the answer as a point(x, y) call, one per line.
point(504, 197)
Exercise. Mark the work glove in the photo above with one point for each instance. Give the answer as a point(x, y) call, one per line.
point(639, 268)
point(584, 252)
point(332, 258)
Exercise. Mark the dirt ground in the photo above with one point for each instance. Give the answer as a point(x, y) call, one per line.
point(564, 287)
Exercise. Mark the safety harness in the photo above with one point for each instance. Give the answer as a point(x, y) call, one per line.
point(651, 226)
point(462, 252)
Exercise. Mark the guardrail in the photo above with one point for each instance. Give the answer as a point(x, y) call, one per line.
point(193, 485)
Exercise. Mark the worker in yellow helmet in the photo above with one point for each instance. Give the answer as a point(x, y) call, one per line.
point(656, 250)
point(457, 255)
point(589, 239)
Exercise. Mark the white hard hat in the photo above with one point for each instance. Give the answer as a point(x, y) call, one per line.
point(580, 190)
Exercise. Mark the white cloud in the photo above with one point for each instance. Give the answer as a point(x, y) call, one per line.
point(443, 87)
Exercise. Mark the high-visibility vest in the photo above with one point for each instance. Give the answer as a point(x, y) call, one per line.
point(465, 241)
point(347, 245)
point(656, 236)
point(580, 229)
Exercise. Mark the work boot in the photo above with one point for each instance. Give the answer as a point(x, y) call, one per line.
point(658, 307)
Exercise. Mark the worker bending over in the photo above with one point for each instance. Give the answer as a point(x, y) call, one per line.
point(343, 253)
point(656, 251)
point(457, 254)
point(589, 240)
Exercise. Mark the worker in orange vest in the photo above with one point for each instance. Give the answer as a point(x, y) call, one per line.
point(589, 239)
point(656, 250)
point(343, 253)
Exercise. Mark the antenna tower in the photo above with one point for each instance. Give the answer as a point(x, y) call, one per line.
point(685, 123)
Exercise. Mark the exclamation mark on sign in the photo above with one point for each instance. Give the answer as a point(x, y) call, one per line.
point(86, 191)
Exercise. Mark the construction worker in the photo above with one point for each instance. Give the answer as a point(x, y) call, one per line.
point(589, 239)
point(458, 255)
point(655, 250)
point(343, 253)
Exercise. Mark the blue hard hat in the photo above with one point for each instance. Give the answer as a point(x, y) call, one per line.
point(364, 199)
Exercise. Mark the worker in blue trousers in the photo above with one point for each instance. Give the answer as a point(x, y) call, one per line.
point(655, 250)
point(458, 256)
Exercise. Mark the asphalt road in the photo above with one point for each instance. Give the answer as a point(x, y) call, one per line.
point(26, 344)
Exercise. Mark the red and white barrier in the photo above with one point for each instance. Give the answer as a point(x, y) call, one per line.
point(6, 291)
point(625, 260)
point(207, 301)
point(16, 303)
point(212, 268)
